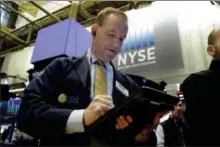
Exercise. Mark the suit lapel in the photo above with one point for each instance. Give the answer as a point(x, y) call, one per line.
point(114, 79)
point(83, 72)
point(115, 97)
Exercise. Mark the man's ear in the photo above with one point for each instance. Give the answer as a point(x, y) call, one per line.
point(94, 29)
point(211, 50)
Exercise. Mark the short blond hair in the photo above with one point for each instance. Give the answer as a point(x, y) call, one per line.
point(103, 14)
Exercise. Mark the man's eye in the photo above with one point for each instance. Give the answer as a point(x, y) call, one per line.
point(111, 35)
point(121, 39)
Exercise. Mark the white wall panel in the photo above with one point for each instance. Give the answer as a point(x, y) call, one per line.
point(196, 19)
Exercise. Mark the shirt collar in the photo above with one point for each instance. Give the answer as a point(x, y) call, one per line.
point(215, 65)
point(92, 59)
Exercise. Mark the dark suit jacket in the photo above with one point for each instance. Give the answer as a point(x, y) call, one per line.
point(202, 93)
point(41, 114)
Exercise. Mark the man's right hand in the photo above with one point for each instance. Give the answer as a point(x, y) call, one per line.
point(98, 107)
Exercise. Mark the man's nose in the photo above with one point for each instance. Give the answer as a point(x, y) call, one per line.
point(116, 43)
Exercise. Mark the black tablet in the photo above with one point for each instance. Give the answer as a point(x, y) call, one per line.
point(142, 106)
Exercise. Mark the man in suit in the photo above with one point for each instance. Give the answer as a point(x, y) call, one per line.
point(72, 93)
point(201, 92)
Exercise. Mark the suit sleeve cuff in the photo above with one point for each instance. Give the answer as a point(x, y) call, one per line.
point(75, 122)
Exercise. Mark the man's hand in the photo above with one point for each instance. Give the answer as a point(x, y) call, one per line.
point(99, 105)
point(145, 134)
point(123, 122)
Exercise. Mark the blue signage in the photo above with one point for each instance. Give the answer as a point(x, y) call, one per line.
point(141, 39)
point(13, 106)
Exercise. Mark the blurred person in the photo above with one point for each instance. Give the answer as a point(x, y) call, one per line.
point(201, 92)
point(72, 93)
point(173, 130)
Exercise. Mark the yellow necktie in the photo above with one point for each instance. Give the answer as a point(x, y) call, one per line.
point(100, 80)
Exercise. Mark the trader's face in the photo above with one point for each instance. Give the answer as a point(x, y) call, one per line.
point(109, 37)
point(178, 110)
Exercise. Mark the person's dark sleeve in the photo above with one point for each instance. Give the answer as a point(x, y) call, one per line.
point(188, 85)
point(194, 89)
point(37, 115)
point(195, 95)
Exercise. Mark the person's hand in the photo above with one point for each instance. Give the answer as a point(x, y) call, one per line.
point(145, 134)
point(99, 105)
point(123, 122)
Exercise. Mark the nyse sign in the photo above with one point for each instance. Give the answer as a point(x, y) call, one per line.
point(136, 58)
point(152, 44)
point(138, 49)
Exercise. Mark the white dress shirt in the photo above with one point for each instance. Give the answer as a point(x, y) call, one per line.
point(160, 136)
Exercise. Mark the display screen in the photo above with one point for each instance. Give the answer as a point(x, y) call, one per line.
point(3, 108)
point(10, 107)
point(13, 105)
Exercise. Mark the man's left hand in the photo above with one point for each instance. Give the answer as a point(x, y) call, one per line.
point(125, 121)
point(144, 135)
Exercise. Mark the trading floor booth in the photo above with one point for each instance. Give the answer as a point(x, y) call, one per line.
point(62, 39)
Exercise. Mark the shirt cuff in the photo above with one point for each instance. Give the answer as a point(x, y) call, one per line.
point(75, 122)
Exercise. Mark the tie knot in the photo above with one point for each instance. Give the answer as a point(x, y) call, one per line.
point(100, 63)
